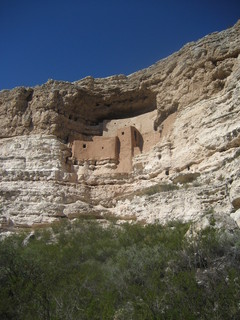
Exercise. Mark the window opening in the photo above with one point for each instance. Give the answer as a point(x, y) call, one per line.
point(135, 135)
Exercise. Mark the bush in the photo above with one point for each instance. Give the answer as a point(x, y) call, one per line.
point(85, 271)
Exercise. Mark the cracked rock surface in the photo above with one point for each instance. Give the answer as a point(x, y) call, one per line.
point(192, 173)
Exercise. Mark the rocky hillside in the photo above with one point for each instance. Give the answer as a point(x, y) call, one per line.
point(192, 173)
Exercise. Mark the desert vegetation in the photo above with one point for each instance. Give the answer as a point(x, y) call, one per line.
point(83, 270)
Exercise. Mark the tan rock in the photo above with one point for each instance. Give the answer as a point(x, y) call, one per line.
point(186, 108)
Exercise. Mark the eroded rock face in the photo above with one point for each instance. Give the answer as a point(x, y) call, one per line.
point(71, 110)
point(193, 171)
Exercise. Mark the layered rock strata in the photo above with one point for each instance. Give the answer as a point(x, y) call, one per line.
point(191, 172)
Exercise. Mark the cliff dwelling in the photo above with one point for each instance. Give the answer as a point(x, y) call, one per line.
point(121, 140)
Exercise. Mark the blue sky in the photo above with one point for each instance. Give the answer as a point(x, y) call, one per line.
point(68, 40)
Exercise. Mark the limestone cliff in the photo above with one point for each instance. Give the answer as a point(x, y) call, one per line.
point(191, 173)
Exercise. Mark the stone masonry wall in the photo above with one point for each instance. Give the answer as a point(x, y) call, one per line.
point(101, 148)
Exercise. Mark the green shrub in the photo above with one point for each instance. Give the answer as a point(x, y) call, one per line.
point(85, 271)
